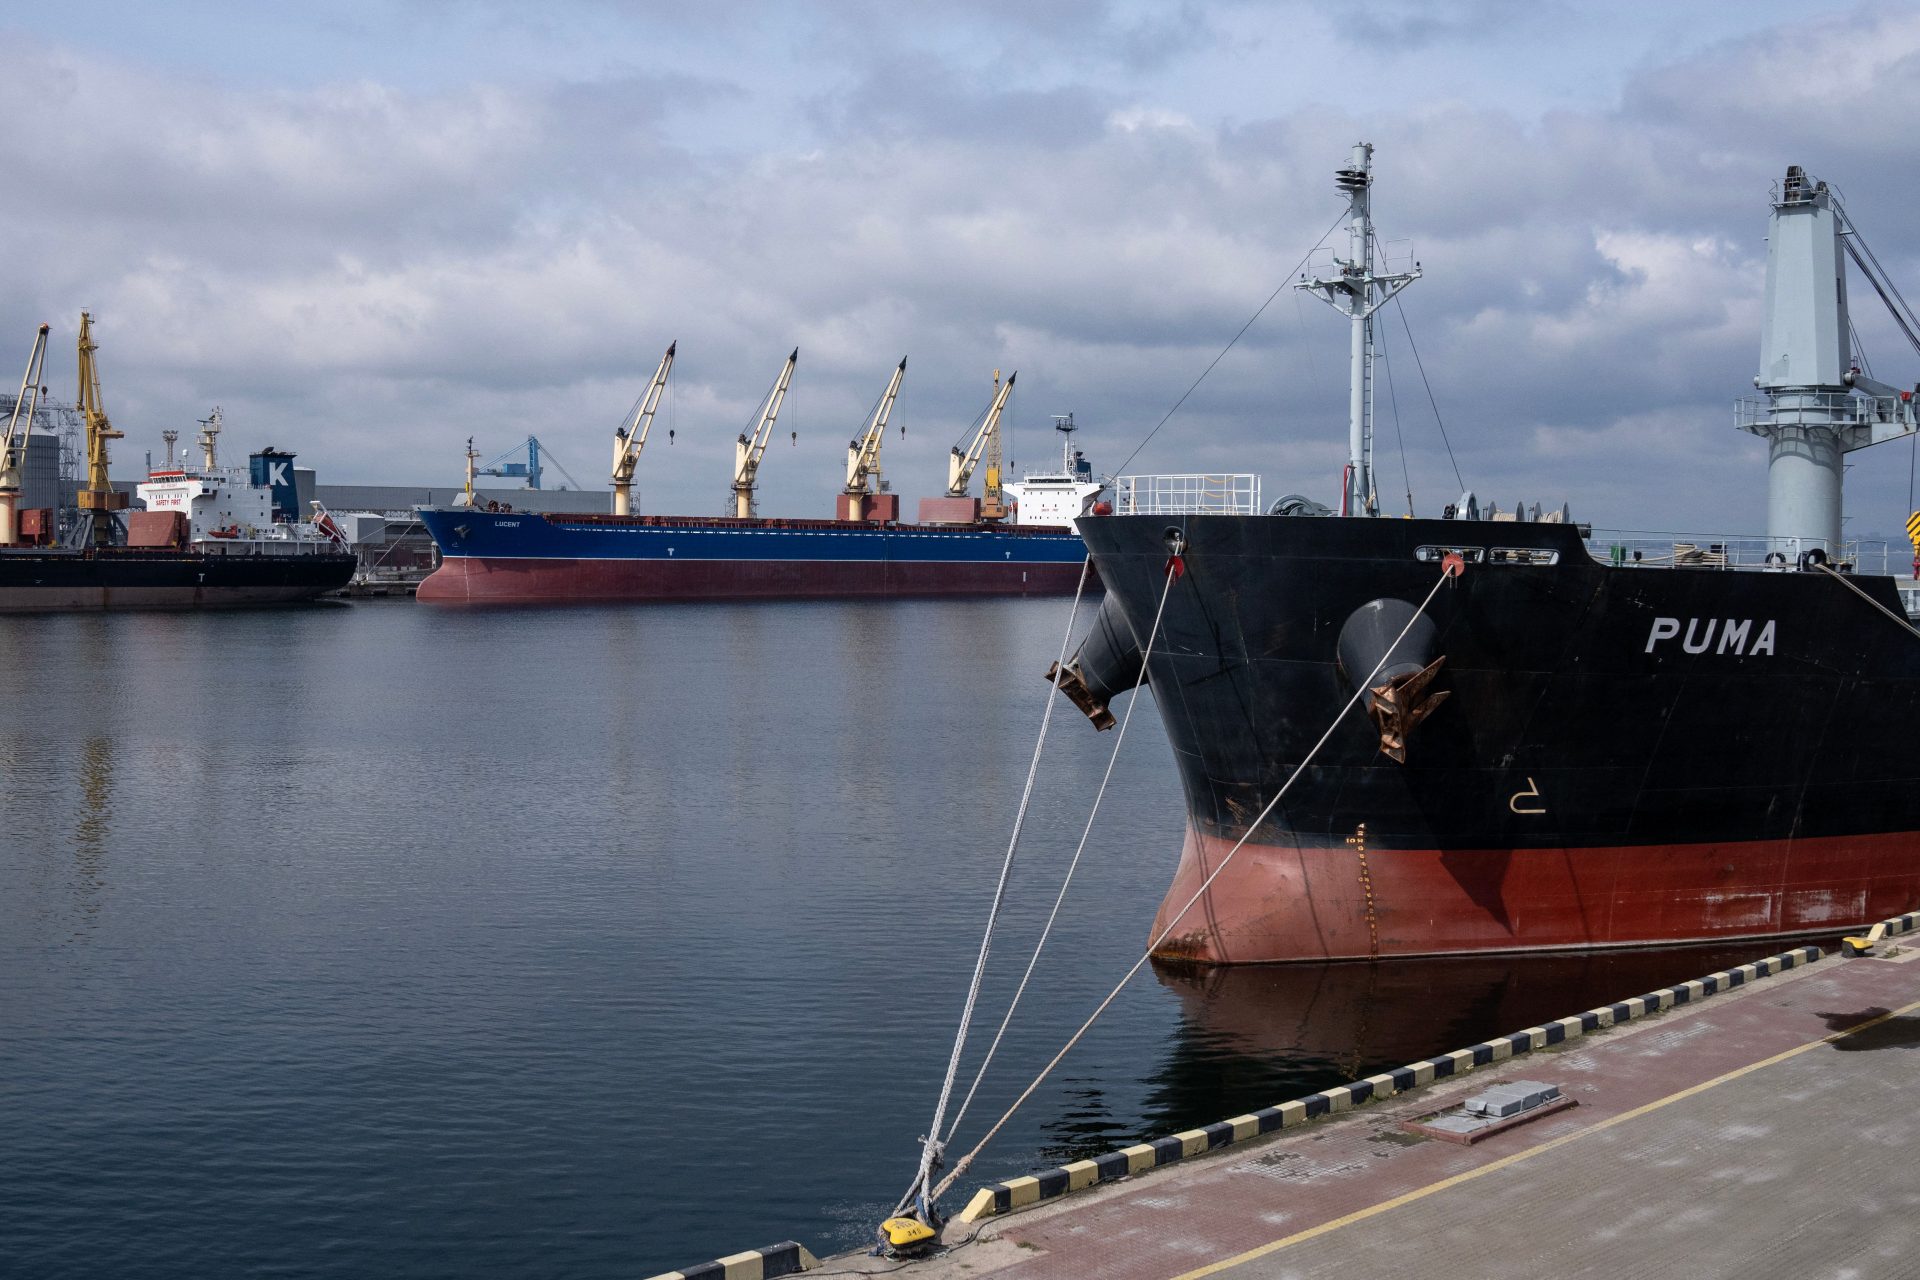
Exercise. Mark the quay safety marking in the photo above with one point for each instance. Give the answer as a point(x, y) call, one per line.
point(784, 1259)
point(1021, 1193)
point(1893, 928)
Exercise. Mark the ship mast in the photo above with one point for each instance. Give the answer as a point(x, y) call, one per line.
point(1356, 291)
point(210, 440)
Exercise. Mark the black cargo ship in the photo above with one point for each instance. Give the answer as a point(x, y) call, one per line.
point(206, 538)
point(53, 581)
point(1570, 746)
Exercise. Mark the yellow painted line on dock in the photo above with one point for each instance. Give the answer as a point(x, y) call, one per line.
point(1227, 1264)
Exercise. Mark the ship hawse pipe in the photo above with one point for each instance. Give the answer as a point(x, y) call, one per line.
point(1106, 664)
point(1399, 696)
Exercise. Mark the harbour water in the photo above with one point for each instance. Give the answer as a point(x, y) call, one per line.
point(382, 940)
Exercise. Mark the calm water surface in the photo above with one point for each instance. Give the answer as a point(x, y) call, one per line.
point(382, 940)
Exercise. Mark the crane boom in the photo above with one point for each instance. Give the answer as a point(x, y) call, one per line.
point(631, 436)
point(13, 454)
point(749, 450)
point(98, 496)
point(960, 466)
point(863, 453)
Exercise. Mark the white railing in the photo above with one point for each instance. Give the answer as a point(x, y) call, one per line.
point(1188, 495)
point(1647, 549)
point(1819, 409)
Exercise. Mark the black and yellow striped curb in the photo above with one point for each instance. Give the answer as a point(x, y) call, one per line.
point(1893, 928)
point(1020, 1193)
point(784, 1259)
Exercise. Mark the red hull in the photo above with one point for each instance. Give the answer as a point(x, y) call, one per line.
point(478, 580)
point(1278, 904)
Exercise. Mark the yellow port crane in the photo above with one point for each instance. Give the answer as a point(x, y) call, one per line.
point(98, 496)
point(748, 451)
point(863, 452)
point(13, 447)
point(631, 436)
point(985, 443)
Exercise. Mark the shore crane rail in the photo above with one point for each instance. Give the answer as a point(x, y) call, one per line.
point(630, 438)
point(750, 448)
point(961, 464)
point(13, 447)
point(863, 452)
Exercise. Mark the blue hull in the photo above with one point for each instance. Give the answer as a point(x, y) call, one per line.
point(524, 557)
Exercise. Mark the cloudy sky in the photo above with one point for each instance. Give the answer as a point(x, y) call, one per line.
point(369, 230)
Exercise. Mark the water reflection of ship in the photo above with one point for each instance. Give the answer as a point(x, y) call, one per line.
point(1252, 1036)
point(95, 826)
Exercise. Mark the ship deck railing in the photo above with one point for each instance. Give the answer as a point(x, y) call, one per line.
point(261, 547)
point(1818, 409)
point(1190, 494)
point(1648, 549)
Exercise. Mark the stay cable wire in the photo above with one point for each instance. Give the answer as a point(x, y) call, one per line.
point(1230, 345)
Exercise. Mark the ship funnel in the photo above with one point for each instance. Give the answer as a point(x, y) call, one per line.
point(1399, 692)
point(1106, 664)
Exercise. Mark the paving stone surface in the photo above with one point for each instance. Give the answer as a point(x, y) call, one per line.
point(1696, 1148)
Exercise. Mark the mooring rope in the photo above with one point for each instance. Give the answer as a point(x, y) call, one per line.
point(1033, 960)
point(1847, 582)
point(1361, 688)
point(933, 1146)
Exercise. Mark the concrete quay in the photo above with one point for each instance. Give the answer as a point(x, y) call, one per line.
point(1766, 1131)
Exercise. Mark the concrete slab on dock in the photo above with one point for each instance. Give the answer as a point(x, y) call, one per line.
point(1765, 1132)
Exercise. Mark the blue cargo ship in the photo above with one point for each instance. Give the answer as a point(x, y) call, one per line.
point(511, 557)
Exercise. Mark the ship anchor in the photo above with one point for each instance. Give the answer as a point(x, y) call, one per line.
point(1399, 705)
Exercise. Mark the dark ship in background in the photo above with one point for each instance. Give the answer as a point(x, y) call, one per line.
point(1574, 746)
point(205, 537)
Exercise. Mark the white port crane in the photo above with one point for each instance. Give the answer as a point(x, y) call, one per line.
point(13, 447)
point(961, 465)
point(863, 452)
point(748, 451)
point(631, 436)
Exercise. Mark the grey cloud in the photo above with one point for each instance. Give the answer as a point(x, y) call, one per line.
point(372, 274)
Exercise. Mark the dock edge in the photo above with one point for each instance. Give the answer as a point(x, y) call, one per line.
point(788, 1258)
point(1021, 1193)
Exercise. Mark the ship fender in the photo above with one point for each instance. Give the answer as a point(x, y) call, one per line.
point(1400, 693)
point(1107, 663)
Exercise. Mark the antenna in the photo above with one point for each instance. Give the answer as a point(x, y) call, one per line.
point(1356, 291)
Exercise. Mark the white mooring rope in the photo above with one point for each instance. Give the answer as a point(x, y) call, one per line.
point(1850, 585)
point(932, 1147)
point(1362, 686)
point(1033, 960)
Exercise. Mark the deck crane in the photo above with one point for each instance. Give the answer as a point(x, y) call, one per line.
point(961, 465)
point(631, 436)
point(13, 447)
point(748, 450)
point(99, 495)
point(863, 452)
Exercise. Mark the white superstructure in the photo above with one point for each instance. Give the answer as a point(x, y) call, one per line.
point(1057, 499)
point(224, 508)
